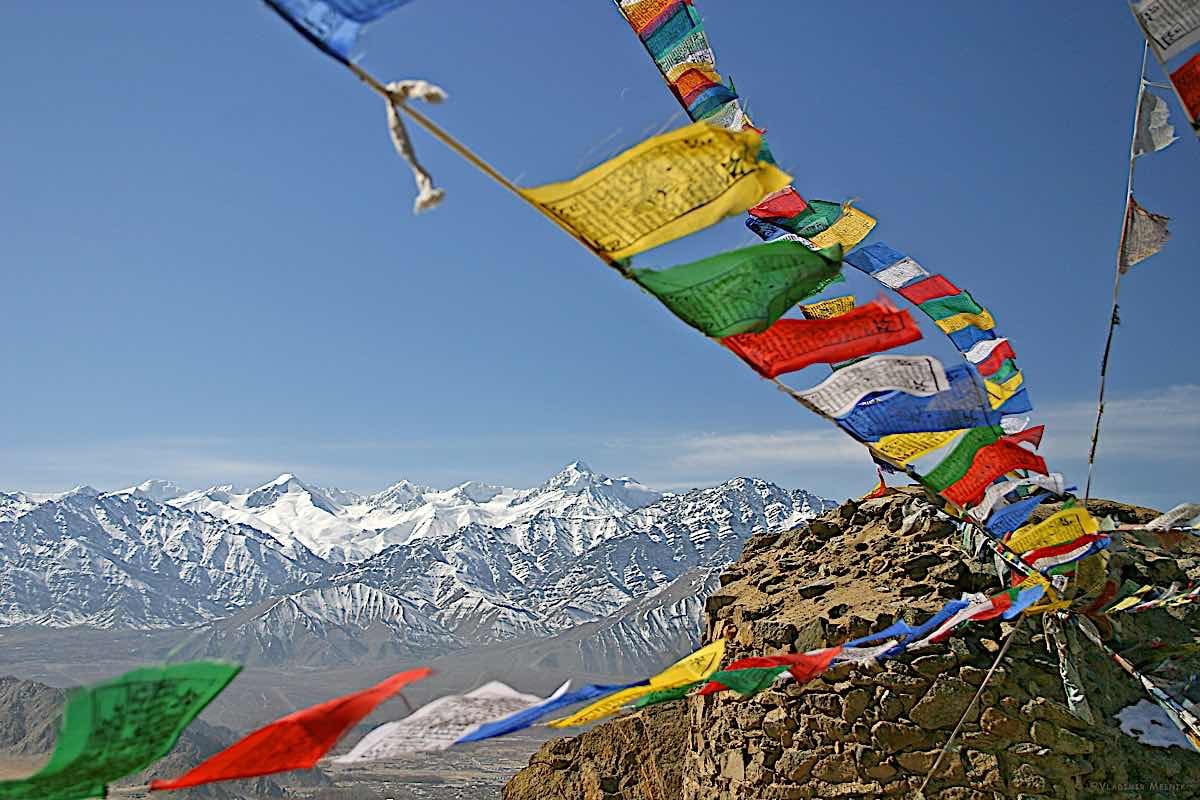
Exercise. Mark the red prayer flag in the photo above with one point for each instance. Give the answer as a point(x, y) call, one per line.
point(296, 741)
point(995, 359)
point(792, 344)
point(1187, 83)
point(1000, 603)
point(1031, 435)
point(926, 289)
point(990, 462)
point(784, 203)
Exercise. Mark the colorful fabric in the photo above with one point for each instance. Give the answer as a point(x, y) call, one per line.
point(1187, 83)
point(988, 355)
point(837, 395)
point(1031, 436)
point(1008, 519)
point(1063, 526)
point(961, 405)
point(667, 695)
point(742, 290)
point(787, 202)
point(526, 717)
point(664, 188)
point(748, 676)
point(903, 448)
point(927, 289)
point(942, 307)
point(850, 228)
point(1145, 234)
point(296, 741)
point(793, 344)
point(958, 461)
point(956, 322)
point(1000, 392)
point(991, 462)
point(121, 726)
point(332, 25)
point(1170, 26)
point(994, 496)
point(697, 666)
point(1048, 558)
point(828, 309)
point(905, 633)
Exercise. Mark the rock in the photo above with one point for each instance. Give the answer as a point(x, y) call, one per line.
point(837, 768)
point(796, 764)
point(854, 703)
point(812, 590)
point(894, 737)
point(944, 704)
point(933, 665)
point(994, 722)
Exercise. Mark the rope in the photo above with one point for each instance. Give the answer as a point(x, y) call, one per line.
point(962, 720)
point(1114, 318)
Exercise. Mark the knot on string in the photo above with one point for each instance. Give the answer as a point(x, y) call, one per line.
point(399, 92)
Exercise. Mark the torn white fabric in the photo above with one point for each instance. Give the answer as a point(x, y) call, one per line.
point(399, 92)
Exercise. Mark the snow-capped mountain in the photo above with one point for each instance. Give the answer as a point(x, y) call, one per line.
point(292, 571)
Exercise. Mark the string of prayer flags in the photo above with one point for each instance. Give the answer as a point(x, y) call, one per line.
point(816, 217)
point(742, 290)
point(990, 355)
point(828, 309)
point(519, 720)
point(749, 676)
point(961, 405)
point(1063, 526)
point(1145, 234)
point(793, 344)
point(1000, 392)
point(903, 633)
point(848, 230)
point(439, 724)
point(332, 25)
point(837, 395)
point(991, 462)
point(297, 741)
point(697, 666)
point(958, 461)
point(973, 604)
point(121, 726)
point(1031, 436)
point(864, 655)
point(667, 695)
point(1154, 129)
point(994, 496)
point(664, 188)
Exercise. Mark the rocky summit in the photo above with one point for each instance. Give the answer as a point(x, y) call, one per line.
point(866, 731)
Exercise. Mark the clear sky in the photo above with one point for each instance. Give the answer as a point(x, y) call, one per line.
point(211, 271)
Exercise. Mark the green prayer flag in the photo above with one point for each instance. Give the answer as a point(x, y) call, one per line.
point(956, 464)
point(819, 215)
point(942, 307)
point(1007, 369)
point(121, 726)
point(743, 290)
point(750, 681)
point(667, 695)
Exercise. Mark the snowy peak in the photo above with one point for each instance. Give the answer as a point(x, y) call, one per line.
point(288, 484)
point(158, 491)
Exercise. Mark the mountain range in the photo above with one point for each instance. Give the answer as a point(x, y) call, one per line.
point(586, 567)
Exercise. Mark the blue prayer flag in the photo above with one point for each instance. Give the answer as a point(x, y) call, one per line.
point(1006, 520)
point(332, 25)
point(526, 717)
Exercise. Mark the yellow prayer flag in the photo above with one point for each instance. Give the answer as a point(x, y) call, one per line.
point(1049, 601)
point(828, 309)
point(849, 229)
point(1065, 526)
point(999, 393)
point(1137, 597)
point(695, 667)
point(905, 447)
point(956, 322)
point(664, 188)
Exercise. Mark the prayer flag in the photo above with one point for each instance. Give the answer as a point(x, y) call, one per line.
point(526, 717)
point(1154, 129)
point(990, 463)
point(903, 448)
point(1008, 519)
point(975, 604)
point(828, 309)
point(837, 395)
point(999, 392)
point(297, 741)
point(875, 257)
point(997, 352)
point(121, 726)
point(958, 461)
point(1170, 26)
point(787, 202)
point(942, 307)
point(747, 682)
point(439, 724)
point(664, 188)
point(1031, 436)
point(697, 666)
point(793, 344)
point(1177, 517)
point(849, 229)
point(1187, 83)
point(667, 695)
point(1025, 598)
point(332, 25)
point(926, 289)
point(742, 290)
point(906, 632)
point(962, 405)
point(956, 322)
point(817, 216)
point(1064, 526)
point(1145, 235)
point(1060, 555)
point(994, 496)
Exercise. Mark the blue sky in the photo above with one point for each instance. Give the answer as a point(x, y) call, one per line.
point(211, 271)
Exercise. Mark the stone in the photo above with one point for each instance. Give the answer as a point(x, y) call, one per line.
point(882, 772)
point(1051, 711)
point(983, 770)
point(894, 737)
point(944, 704)
point(854, 703)
point(1026, 779)
point(922, 762)
point(732, 766)
point(776, 724)
point(795, 765)
point(1059, 739)
point(933, 665)
point(810, 591)
point(837, 768)
point(828, 704)
point(994, 722)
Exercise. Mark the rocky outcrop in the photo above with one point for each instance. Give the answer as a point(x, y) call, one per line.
point(861, 732)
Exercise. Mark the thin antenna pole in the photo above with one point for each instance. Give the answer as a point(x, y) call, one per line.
point(1114, 318)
